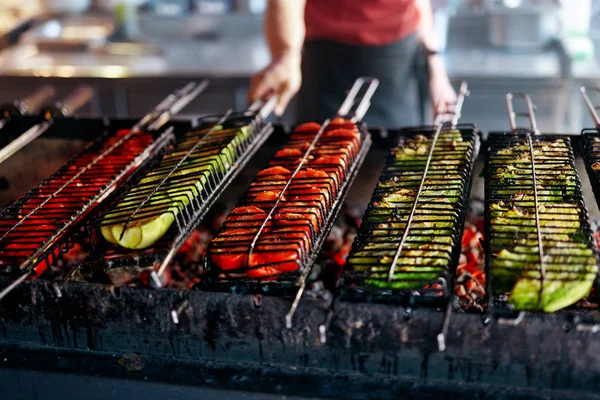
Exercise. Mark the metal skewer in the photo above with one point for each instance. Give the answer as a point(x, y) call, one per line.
point(29, 105)
point(534, 129)
point(455, 113)
point(591, 107)
point(360, 104)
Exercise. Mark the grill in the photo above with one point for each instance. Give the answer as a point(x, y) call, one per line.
point(539, 244)
point(352, 347)
point(209, 155)
point(37, 228)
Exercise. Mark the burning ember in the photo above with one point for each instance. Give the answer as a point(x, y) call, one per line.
point(469, 285)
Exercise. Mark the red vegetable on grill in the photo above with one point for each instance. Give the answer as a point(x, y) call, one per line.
point(50, 210)
point(287, 236)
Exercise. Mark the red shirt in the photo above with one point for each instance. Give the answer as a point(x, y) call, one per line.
point(361, 22)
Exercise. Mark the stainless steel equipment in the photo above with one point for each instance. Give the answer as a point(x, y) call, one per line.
point(523, 24)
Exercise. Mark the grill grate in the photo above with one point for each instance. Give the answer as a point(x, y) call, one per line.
point(539, 248)
point(269, 243)
point(33, 225)
point(408, 244)
point(309, 202)
point(427, 252)
point(590, 144)
point(35, 229)
point(184, 185)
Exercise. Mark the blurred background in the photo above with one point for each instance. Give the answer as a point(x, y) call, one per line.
point(133, 52)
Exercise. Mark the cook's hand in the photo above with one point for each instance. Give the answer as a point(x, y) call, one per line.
point(443, 96)
point(282, 77)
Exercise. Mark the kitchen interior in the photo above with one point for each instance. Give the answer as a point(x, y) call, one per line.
point(133, 53)
point(542, 47)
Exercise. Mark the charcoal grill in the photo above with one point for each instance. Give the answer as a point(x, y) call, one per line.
point(241, 341)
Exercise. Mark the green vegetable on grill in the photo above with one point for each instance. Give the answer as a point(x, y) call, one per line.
point(430, 242)
point(568, 268)
point(214, 155)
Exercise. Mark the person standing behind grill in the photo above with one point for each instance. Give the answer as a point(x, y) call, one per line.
point(320, 47)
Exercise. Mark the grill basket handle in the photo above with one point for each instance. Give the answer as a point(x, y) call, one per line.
point(529, 113)
point(36, 100)
point(593, 109)
point(77, 99)
point(358, 100)
point(264, 108)
point(451, 112)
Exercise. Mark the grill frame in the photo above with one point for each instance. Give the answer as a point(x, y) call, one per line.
point(583, 318)
point(288, 284)
point(418, 297)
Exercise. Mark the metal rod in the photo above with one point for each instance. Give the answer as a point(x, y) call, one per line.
point(454, 110)
point(74, 101)
point(23, 140)
point(530, 113)
point(537, 219)
point(186, 95)
point(363, 103)
point(439, 127)
point(441, 337)
point(288, 183)
point(264, 109)
point(168, 103)
point(591, 107)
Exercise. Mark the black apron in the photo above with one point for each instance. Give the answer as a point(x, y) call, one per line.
point(329, 69)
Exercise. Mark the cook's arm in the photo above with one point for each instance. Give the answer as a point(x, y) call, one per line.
point(442, 93)
point(284, 31)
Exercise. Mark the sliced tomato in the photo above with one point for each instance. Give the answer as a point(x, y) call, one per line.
point(310, 173)
point(289, 152)
point(331, 160)
point(339, 120)
point(274, 171)
point(310, 215)
point(246, 210)
point(342, 133)
point(281, 260)
point(307, 127)
point(228, 262)
point(268, 196)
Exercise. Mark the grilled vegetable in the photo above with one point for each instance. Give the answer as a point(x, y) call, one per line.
point(215, 155)
point(568, 268)
point(428, 249)
point(303, 208)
